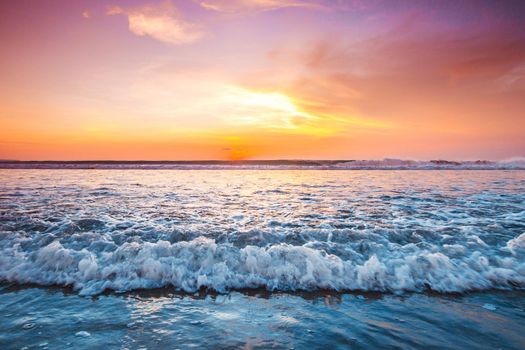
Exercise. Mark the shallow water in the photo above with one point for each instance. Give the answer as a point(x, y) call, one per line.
point(396, 234)
point(49, 318)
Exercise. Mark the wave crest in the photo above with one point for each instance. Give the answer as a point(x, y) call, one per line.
point(202, 263)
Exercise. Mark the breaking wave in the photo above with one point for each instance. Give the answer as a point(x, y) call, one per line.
point(284, 231)
point(202, 263)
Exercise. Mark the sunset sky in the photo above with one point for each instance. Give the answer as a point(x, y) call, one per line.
point(262, 79)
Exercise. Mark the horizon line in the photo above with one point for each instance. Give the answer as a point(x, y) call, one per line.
point(245, 160)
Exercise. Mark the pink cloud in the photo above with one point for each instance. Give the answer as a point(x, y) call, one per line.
point(235, 6)
point(161, 22)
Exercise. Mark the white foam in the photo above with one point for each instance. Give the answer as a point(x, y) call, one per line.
point(368, 231)
point(517, 244)
point(202, 263)
point(83, 334)
point(489, 307)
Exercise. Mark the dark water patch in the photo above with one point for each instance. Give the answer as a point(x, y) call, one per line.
point(203, 293)
point(90, 224)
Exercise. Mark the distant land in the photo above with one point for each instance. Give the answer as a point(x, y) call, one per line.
point(388, 163)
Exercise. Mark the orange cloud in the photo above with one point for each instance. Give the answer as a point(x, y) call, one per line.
point(447, 81)
point(161, 22)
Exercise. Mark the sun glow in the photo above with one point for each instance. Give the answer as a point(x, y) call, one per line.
point(271, 110)
point(270, 100)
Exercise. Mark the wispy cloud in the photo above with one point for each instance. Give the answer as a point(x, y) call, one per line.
point(161, 22)
point(234, 6)
point(404, 78)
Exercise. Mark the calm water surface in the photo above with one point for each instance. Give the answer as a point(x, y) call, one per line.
point(258, 259)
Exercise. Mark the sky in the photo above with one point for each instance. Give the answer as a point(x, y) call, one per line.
point(262, 79)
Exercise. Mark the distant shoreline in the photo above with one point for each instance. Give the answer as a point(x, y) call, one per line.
point(285, 164)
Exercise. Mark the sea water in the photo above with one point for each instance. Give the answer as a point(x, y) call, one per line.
point(262, 258)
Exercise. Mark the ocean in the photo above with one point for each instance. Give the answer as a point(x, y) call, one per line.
point(256, 258)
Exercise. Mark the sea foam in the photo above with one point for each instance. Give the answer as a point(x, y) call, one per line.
point(281, 231)
point(202, 263)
